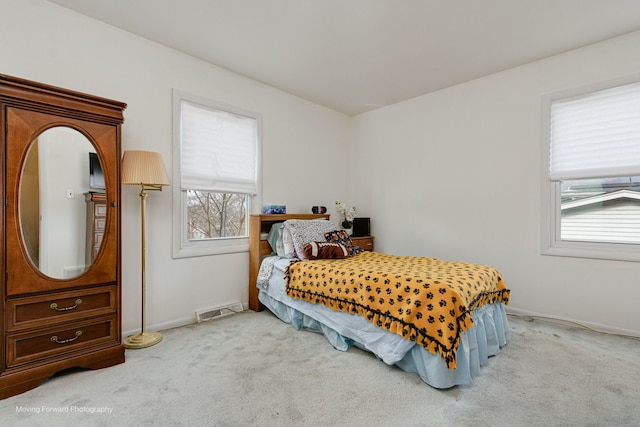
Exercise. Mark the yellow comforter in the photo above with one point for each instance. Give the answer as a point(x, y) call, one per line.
point(425, 300)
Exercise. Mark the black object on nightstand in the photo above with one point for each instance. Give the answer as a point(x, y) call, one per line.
point(361, 227)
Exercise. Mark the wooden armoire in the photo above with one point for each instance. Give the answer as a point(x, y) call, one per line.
point(60, 308)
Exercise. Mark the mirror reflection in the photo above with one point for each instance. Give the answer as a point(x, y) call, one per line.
point(60, 180)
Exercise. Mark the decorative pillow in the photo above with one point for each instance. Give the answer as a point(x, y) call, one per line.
point(307, 231)
point(287, 243)
point(341, 236)
point(325, 250)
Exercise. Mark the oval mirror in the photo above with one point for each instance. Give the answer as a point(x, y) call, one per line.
point(60, 171)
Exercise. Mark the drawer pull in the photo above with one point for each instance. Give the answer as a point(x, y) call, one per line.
point(54, 306)
point(55, 338)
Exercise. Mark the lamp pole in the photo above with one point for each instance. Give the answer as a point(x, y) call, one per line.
point(144, 339)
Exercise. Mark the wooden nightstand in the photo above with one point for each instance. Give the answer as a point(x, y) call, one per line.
point(365, 242)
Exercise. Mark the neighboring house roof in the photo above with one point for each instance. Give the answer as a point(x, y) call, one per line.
point(610, 217)
point(605, 197)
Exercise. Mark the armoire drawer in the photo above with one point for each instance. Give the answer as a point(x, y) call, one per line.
point(45, 310)
point(39, 345)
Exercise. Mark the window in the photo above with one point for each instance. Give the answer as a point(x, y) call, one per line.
point(215, 175)
point(591, 179)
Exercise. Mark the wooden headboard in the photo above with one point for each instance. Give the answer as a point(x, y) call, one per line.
point(258, 249)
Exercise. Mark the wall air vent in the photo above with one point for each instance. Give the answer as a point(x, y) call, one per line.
point(217, 312)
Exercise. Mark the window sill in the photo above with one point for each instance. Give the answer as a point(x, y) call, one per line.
point(215, 247)
point(604, 251)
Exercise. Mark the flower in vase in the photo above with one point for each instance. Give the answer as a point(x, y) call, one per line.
point(348, 212)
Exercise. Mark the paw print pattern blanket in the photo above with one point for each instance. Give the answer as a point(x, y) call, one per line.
point(425, 300)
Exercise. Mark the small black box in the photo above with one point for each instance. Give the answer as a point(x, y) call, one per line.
point(361, 227)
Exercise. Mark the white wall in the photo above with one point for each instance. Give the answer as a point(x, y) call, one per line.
point(456, 174)
point(47, 43)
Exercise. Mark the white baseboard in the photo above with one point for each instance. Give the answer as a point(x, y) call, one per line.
point(170, 325)
point(162, 326)
point(510, 311)
point(597, 327)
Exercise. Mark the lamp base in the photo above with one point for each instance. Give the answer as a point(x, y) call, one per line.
point(142, 340)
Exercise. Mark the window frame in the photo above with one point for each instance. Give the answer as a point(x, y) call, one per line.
point(550, 241)
point(183, 247)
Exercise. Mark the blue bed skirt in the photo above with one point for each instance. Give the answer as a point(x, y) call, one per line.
point(490, 333)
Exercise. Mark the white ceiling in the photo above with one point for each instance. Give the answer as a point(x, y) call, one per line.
point(358, 55)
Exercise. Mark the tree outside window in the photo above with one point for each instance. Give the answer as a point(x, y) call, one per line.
point(216, 215)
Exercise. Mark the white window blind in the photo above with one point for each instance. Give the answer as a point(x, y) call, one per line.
point(596, 135)
point(218, 150)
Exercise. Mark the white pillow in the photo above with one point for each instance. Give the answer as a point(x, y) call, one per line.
point(288, 249)
point(306, 231)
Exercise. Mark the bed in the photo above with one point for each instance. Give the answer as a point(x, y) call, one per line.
point(439, 319)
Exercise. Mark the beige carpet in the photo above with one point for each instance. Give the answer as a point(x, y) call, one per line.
point(250, 369)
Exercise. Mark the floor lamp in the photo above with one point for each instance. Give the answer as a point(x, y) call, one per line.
point(146, 169)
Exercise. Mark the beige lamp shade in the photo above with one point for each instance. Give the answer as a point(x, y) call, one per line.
point(143, 168)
